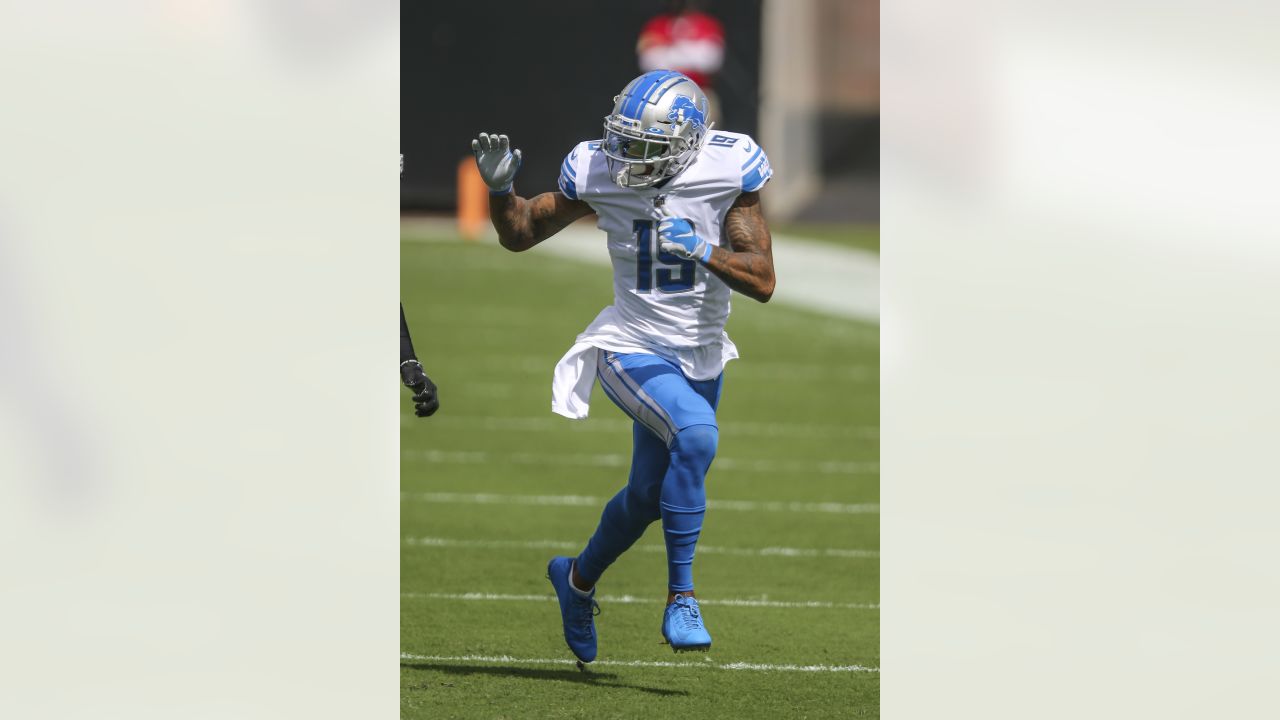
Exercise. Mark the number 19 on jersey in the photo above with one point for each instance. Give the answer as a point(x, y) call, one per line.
point(671, 273)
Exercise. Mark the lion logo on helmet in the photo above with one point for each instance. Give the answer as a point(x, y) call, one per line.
point(683, 109)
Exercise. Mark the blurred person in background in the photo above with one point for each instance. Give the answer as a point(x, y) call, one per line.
point(680, 206)
point(686, 40)
point(425, 398)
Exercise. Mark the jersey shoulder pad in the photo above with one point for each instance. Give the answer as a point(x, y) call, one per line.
point(741, 158)
point(576, 167)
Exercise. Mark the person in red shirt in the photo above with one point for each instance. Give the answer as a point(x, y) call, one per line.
point(686, 40)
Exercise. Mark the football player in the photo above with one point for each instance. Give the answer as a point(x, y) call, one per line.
point(425, 399)
point(680, 207)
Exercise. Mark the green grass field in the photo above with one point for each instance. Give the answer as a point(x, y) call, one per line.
point(854, 236)
point(495, 484)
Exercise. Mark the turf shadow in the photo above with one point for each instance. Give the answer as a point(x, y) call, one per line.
point(590, 677)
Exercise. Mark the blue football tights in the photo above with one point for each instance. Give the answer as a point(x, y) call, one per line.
point(667, 482)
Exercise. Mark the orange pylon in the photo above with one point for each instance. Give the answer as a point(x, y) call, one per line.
point(473, 200)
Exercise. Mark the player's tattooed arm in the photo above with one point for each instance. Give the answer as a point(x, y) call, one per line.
point(744, 260)
point(522, 223)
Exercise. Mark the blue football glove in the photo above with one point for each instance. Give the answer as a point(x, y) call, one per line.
point(676, 236)
point(497, 162)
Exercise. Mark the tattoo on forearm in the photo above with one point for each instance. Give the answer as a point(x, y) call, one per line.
point(744, 260)
point(522, 223)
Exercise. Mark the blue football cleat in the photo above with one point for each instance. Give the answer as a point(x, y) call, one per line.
point(682, 625)
point(577, 612)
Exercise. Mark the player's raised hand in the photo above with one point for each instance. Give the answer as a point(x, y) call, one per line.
point(498, 164)
point(425, 398)
point(676, 236)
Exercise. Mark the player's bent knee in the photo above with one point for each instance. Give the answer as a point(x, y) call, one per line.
point(697, 443)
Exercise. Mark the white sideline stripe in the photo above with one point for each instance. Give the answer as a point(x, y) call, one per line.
point(633, 600)
point(619, 460)
point(814, 275)
point(758, 667)
point(702, 549)
point(591, 501)
point(558, 424)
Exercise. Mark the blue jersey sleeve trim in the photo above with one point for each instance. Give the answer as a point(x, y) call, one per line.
point(758, 185)
point(759, 174)
point(567, 188)
point(569, 177)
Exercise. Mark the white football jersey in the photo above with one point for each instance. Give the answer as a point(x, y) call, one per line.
point(658, 297)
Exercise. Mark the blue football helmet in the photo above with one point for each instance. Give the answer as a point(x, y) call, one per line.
point(658, 124)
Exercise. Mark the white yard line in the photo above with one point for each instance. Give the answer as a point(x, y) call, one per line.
point(813, 275)
point(633, 600)
point(785, 552)
point(619, 460)
point(798, 371)
point(552, 423)
point(707, 663)
point(596, 502)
